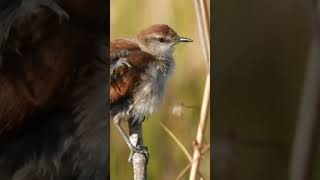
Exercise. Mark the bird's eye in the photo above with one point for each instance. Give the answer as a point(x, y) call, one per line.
point(162, 39)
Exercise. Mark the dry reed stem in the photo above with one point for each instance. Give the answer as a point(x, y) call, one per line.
point(139, 160)
point(201, 130)
point(179, 143)
point(183, 172)
point(204, 28)
point(204, 31)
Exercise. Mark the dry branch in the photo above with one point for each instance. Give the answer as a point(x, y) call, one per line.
point(139, 160)
point(200, 132)
point(179, 143)
point(204, 31)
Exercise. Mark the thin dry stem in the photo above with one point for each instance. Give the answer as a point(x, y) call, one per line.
point(183, 172)
point(139, 161)
point(204, 28)
point(182, 147)
point(205, 149)
point(204, 31)
point(201, 130)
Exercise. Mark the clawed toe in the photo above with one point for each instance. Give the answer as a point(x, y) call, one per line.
point(139, 149)
point(143, 150)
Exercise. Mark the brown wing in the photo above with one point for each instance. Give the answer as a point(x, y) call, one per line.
point(125, 79)
point(120, 44)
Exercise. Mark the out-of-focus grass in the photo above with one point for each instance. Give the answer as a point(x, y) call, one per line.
point(185, 86)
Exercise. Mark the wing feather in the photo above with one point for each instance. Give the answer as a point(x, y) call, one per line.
point(125, 78)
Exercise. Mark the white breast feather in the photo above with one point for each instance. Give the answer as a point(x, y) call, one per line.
point(150, 93)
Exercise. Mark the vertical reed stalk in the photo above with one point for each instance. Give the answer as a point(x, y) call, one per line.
point(204, 32)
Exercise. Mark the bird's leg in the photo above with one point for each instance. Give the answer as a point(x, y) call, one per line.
point(135, 131)
point(117, 123)
point(139, 149)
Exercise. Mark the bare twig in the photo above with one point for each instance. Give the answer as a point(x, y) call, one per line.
point(183, 172)
point(204, 28)
point(305, 142)
point(183, 148)
point(204, 31)
point(205, 149)
point(139, 160)
point(201, 129)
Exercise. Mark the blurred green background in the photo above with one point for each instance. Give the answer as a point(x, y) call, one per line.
point(259, 56)
point(180, 110)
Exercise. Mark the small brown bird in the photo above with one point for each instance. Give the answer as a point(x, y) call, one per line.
point(139, 69)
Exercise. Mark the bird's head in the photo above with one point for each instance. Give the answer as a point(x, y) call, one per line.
point(159, 40)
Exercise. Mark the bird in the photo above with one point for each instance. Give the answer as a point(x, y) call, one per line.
point(139, 69)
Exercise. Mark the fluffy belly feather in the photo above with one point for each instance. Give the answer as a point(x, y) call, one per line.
point(148, 96)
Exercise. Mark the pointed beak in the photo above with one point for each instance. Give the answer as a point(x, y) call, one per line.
point(183, 39)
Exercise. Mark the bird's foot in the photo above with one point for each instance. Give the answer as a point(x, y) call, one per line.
point(139, 149)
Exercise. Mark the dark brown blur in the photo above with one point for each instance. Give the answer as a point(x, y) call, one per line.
point(259, 56)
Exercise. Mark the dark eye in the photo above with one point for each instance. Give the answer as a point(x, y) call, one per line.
point(162, 39)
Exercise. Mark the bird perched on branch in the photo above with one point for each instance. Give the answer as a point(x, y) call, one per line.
point(139, 69)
